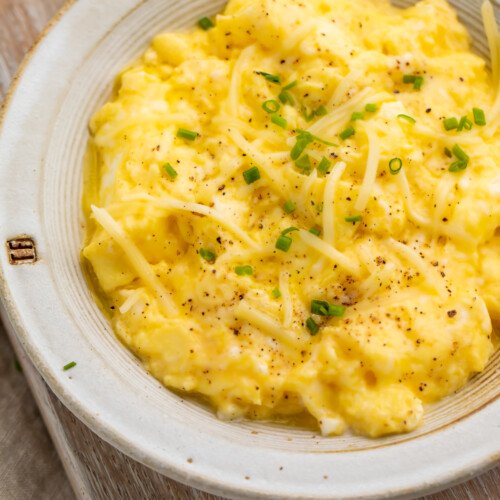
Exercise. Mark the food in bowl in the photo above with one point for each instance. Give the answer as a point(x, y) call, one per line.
point(293, 211)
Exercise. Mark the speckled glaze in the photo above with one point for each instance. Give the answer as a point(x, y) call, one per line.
point(42, 141)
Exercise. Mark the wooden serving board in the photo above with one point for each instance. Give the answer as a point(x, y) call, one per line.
point(94, 468)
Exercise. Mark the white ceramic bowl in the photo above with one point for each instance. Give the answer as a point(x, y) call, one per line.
point(48, 305)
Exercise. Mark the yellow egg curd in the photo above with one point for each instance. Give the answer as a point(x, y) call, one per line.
point(293, 210)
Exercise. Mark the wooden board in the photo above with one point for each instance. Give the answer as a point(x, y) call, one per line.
point(95, 469)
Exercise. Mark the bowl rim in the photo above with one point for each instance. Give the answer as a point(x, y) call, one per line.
point(12, 317)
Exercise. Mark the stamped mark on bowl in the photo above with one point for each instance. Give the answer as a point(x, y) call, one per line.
point(21, 250)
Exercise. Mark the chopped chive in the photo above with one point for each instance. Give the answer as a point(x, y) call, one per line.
point(69, 366)
point(395, 165)
point(458, 166)
point(205, 23)
point(284, 243)
point(459, 153)
point(324, 165)
point(276, 293)
point(479, 117)
point(271, 106)
point(319, 307)
point(289, 207)
point(289, 230)
point(315, 231)
point(348, 132)
point(304, 163)
point(243, 270)
point(407, 118)
point(409, 78)
point(447, 152)
point(270, 77)
point(308, 117)
point(207, 255)
point(312, 326)
point(450, 123)
point(321, 111)
point(417, 84)
point(189, 135)
point(319, 207)
point(278, 120)
point(18, 366)
point(357, 115)
point(303, 140)
point(464, 123)
point(371, 108)
point(171, 172)
point(354, 218)
point(335, 310)
point(251, 175)
point(290, 85)
point(286, 98)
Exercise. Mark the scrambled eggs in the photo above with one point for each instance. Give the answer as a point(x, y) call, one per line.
point(293, 209)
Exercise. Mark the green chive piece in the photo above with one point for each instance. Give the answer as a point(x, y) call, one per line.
point(304, 163)
point(407, 118)
point(315, 231)
point(395, 165)
point(459, 153)
point(312, 326)
point(308, 117)
point(447, 152)
point(319, 208)
point(276, 293)
point(278, 120)
point(269, 77)
point(335, 310)
point(464, 123)
point(417, 84)
point(70, 365)
point(251, 175)
point(207, 255)
point(284, 243)
point(371, 108)
point(348, 132)
point(450, 123)
point(171, 172)
point(244, 270)
point(458, 166)
point(324, 165)
point(286, 98)
point(205, 23)
point(289, 230)
point(479, 117)
point(289, 207)
point(303, 140)
point(18, 366)
point(271, 106)
point(357, 115)
point(321, 111)
point(319, 307)
point(189, 135)
point(409, 78)
point(290, 85)
point(354, 218)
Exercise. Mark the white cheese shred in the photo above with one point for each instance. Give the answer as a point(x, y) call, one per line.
point(370, 171)
point(284, 284)
point(329, 202)
point(414, 258)
point(135, 257)
point(328, 251)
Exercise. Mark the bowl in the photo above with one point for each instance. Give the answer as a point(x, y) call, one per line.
point(47, 303)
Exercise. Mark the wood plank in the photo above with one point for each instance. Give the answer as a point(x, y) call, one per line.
point(95, 469)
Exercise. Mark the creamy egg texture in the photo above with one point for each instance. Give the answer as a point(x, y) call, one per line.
point(293, 210)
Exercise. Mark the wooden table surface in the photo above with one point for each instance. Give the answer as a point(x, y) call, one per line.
point(29, 466)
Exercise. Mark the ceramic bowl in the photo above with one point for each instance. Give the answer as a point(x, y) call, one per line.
point(43, 137)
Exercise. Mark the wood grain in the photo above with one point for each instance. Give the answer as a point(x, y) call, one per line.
point(95, 469)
